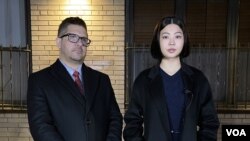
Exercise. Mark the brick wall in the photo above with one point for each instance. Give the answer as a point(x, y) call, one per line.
point(14, 127)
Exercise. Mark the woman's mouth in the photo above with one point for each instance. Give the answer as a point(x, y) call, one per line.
point(171, 50)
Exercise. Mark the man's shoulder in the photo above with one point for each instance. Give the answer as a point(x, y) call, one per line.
point(40, 73)
point(94, 72)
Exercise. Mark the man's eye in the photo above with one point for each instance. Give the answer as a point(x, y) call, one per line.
point(85, 39)
point(74, 36)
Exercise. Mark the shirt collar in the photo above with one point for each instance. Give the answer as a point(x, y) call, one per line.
point(71, 71)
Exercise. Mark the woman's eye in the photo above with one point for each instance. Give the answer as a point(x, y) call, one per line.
point(178, 37)
point(164, 37)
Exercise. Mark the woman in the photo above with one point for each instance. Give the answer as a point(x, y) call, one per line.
point(171, 101)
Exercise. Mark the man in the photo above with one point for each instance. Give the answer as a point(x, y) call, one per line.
point(69, 101)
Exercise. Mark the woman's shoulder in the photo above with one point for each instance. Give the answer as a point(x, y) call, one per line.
point(194, 72)
point(191, 69)
point(153, 70)
point(148, 74)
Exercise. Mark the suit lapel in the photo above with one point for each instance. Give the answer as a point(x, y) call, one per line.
point(91, 84)
point(60, 73)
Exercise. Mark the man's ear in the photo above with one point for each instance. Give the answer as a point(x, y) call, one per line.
point(58, 42)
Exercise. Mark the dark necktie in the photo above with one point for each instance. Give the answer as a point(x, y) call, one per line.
point(78, 81)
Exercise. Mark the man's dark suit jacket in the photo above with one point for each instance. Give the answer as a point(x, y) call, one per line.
point(58, 112)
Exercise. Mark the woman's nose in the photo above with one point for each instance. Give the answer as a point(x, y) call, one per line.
point(171, 41)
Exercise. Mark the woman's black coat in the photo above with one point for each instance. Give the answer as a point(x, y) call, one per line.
point(147, 116)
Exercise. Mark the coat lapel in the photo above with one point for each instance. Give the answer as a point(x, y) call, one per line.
point(158, 98)
point(157, 93)
point(60, 73)
point(91, 84)
point(188, 84)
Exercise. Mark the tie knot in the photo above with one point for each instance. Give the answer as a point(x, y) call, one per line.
point(76, 74)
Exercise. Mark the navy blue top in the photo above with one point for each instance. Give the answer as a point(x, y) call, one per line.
point(173, 90)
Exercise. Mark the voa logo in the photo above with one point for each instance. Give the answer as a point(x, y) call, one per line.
point(236, 132)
